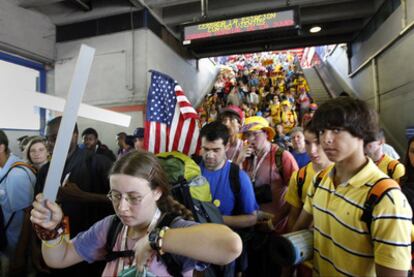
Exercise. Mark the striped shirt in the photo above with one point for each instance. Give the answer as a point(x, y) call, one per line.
point(342, 243)
point(292, 195)
point(399, 170)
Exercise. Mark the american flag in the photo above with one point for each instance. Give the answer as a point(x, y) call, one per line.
point(171, 121)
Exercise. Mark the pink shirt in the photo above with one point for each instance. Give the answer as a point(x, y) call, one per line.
point(234, 151)
point(268, 173)
point(90, 245)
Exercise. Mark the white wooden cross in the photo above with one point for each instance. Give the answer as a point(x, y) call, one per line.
point(72, 108)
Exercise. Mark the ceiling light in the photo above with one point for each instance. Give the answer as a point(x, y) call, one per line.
point(315, 29)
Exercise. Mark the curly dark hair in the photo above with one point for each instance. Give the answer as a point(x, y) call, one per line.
point(353, 115)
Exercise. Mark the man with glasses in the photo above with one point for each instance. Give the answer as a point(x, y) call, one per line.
point(269, 169)
point(83, 193)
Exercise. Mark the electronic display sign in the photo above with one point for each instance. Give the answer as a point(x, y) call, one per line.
point(259, 22)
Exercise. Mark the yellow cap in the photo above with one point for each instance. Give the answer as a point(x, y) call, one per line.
point(256, 123)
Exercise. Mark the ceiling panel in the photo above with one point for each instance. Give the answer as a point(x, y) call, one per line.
point(341, 20)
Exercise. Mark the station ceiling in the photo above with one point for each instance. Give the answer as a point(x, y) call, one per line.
point(340, 20)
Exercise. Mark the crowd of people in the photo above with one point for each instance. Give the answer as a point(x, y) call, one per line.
point(275, 163)
point(268, 84)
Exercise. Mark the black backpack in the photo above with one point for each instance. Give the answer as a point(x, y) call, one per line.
point(190, 192)
point(4, 225)
point(175, 164)
point(174, 267)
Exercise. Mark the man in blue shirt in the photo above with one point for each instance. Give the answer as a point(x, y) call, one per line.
point(216, 169)
point(239, 210)
point(16, 194)
point(299, 150)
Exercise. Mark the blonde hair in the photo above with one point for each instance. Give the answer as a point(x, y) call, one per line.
point(29, 145)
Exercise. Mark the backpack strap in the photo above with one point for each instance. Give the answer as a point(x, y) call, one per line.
point(235, 185)
point(113, 232)
point(24, 165)
point(279, 161)
point(391, 167)
point(21, 165)
point(375, 194)
point(300, 179)
point(173, 266)
point(320, 176)
point(235, 178)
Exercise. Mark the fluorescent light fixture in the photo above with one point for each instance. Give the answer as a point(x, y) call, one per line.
point(315, 29)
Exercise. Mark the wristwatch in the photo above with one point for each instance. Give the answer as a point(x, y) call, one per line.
point(155, 239)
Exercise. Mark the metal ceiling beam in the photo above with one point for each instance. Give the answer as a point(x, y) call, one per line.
point(309, 14)
point(157, 16)
point(35, 3)
point(175, 15)
point(168, 3)
point(304, 3)
point(85, 5)
point(101, 8)
point(336, 12)
point(136, 3)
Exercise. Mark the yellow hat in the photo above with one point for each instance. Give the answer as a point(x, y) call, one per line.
point(256, 123)
point(285, 103)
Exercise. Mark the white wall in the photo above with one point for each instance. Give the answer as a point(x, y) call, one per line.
point(110, 80)
point(338, 62)
point(26, 33)
point(193, 80)
point(395, 67)
point(119, 74)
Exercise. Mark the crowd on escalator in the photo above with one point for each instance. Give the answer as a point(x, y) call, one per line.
point(267, 105)
point(272, 162)
point(270, 85)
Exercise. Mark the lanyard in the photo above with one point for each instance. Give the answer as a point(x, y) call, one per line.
point(237, 150)
point(124, 243)
point(257, 164)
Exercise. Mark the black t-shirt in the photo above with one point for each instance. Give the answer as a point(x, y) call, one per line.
point(89, 171)
point(104, 150)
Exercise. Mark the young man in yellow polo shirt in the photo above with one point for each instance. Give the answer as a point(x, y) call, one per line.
point(388, 165)
point(343, 243)
point(298, 185)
